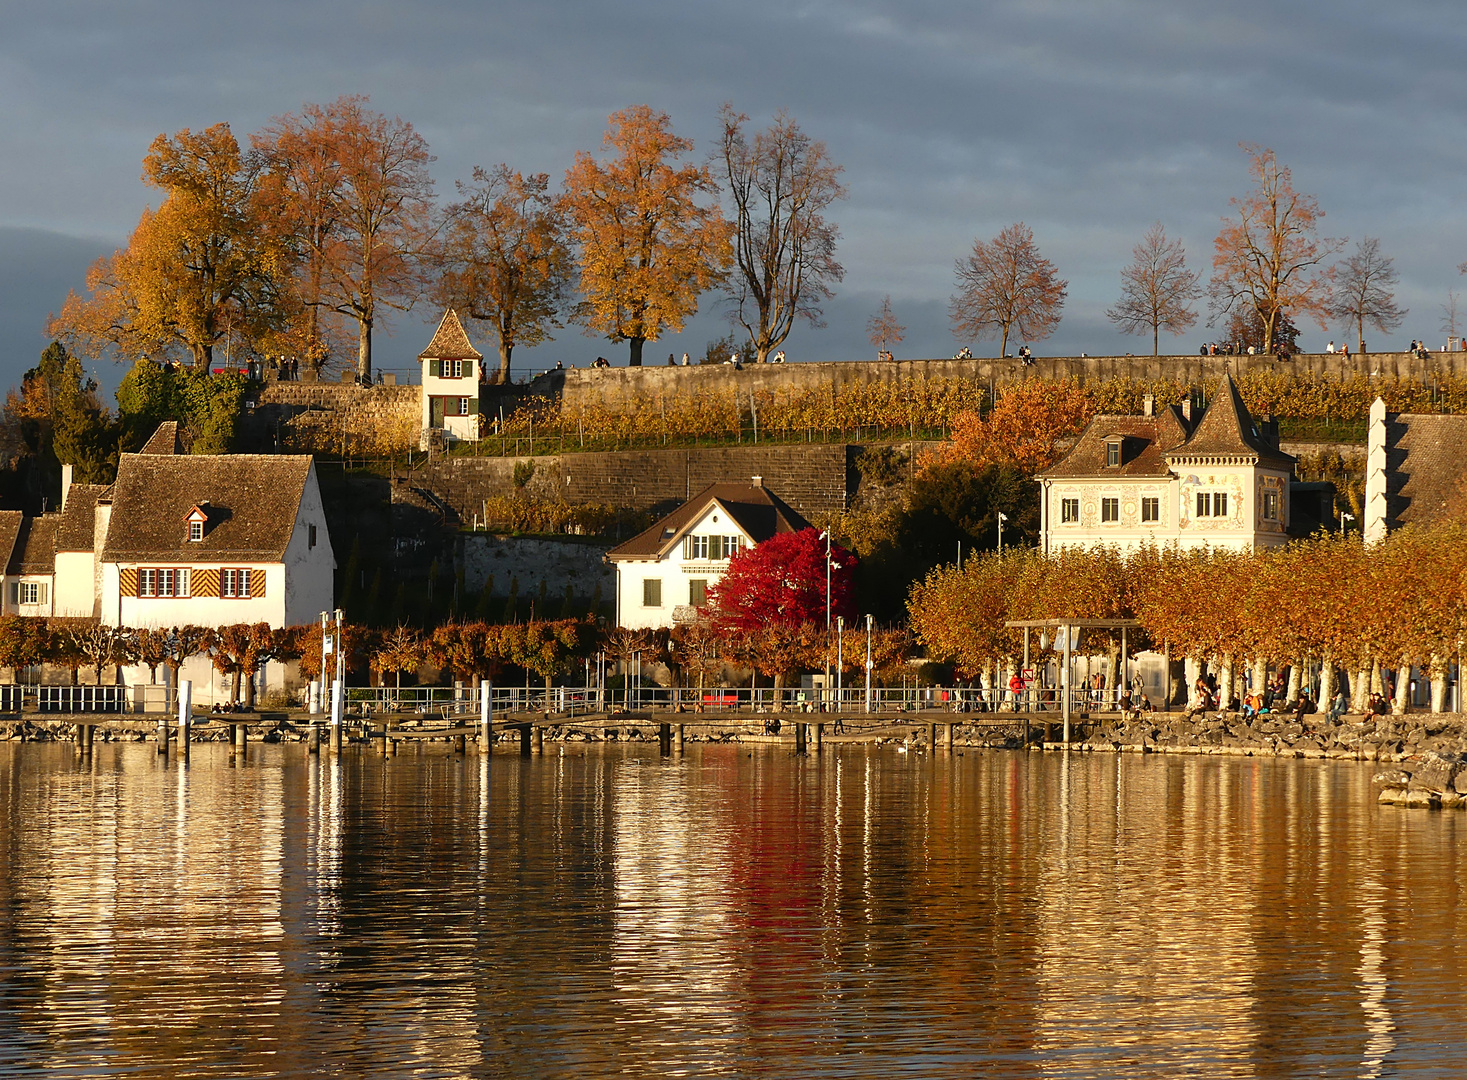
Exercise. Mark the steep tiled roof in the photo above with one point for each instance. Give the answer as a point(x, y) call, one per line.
point(1144, 443)
point(757, 510)
point(1426, 463)
point(10, 524)
point(35, 547)
point(78, 520)
point(450, 342)
point(165, 440)
point(253, 502)
point(1227, 429)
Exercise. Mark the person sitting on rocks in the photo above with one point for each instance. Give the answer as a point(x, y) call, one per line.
point(1250, 705)
point(1375, 709)
point(1339, 707)
point(1304, 708)
point(1144, 705)
point(1201, 702)
point(1126, 705)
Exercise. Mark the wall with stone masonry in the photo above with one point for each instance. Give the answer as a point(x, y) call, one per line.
point(814, 478)
point(603, 387)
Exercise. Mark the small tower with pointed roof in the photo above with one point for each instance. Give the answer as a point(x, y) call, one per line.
point(453, 371)
point(1163, 478)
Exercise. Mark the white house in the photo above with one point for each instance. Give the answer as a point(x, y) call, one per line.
point(214, 539)
point(663, 574)
point(1220, 481)
point(452, 372)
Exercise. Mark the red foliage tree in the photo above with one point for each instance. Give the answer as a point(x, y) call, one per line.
point(782, 581)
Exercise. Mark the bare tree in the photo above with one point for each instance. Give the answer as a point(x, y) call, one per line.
point(1007, 285)
point(1364, 292)
point(1157, 289)
point(781, 184)
point(883, 327)
point(1268, 256)
point(506, 261)
point(1450, 317)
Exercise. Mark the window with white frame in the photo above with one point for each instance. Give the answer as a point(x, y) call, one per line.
point(1110, 509)
point(163, 581)
point(450, 369)
point(31, 592)
point(234, 583)
point(195, 531)
point(1150, 508)
point(1270, 506)
point(1069, 511)
point(695, 547)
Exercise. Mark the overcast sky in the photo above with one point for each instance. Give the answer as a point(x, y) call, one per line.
point(1089, 121)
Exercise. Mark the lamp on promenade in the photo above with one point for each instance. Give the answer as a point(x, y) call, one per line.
point(1002, 517)
point(868, 663)
point(840, 656)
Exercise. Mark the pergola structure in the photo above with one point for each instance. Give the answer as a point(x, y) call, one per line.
point(1070, 626)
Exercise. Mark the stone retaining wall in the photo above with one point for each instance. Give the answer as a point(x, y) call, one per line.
point(581, 387)
point(814, 478)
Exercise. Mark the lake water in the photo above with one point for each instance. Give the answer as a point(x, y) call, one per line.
point(735, 912)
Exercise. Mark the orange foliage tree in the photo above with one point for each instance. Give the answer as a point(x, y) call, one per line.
point(197, 272)
point(648, 247)
point(505, 258)
point(1268, 256)
point(1024, 428)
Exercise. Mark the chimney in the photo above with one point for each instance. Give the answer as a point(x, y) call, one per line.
point(1148, 405)
point(758, 481)
point(66, 471)
point(1187, 408)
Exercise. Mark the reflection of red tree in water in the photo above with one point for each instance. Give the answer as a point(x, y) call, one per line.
point(774, 890)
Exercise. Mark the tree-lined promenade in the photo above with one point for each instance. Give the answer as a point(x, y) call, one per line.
point(1327, 603)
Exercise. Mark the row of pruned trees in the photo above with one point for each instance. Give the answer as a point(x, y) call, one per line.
point(1326, 601)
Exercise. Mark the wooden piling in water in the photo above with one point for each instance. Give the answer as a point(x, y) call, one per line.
point(459, 744)
point(932, 736)
point(800, 737)
point(817, 731)
point(385, 747)
point(525, 741)
point(539, 739)
point(313, 737)
point(241, 738)
point(664, 738)
point(681, 737)
point(948, 737)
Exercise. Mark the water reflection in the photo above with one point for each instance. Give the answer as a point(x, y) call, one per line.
point(598, 912)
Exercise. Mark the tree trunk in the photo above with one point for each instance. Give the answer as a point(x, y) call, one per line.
point(636, 353)
point(1326, 682)
point(1003, 343)
point(1225, 681)
point(1360, 691)
point(504, 351)
point(249, 689)
point(234, 688)
point(364, 349)
point(1403, 689)
point(1155, 340)
point(1291, 694)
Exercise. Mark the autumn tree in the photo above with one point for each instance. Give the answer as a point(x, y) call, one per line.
point(1365, 291)
point(355, 184)
point(149, 647)
point(183, 642)
point(1268, 256)
point(883, 327)
point(197, 272)
point(782, 580)
point(399, 649)
point(780, 184)
point(649, 243)
point(505, 258)
point(1005, 286)
point(1024, 428)
point(1157, 289)
point(62, 421)
point(24, 641)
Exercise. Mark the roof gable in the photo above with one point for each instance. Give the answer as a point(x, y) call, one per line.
point(450, 342)
point(77, 527)
point(1426, 471)
point(1145, 439)
point(165, 440)
point(10, 526)
point(35, 546)
point(756, 510)
point(251, 501)
point(1227, 429)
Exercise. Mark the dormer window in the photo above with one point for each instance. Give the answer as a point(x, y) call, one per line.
point(1112, 453)
point(196, 522)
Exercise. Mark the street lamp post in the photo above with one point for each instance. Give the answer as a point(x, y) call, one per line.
point(840, 656)
point(868, 663)
point(1002, 517)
